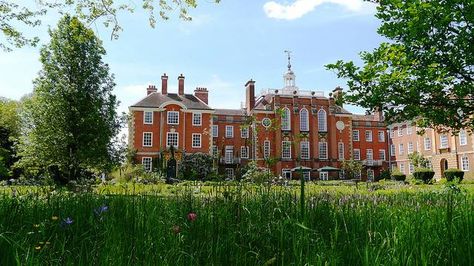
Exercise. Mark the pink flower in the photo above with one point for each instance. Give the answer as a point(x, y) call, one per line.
point(192, 216)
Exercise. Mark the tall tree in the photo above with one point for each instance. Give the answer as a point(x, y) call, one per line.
point(9, 133)
point(13, 14)
point(425, 72)
point(72, 114)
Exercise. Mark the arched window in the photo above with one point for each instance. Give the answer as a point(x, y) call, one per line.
point(304, 120)
point(322, 121)
point(286, 119)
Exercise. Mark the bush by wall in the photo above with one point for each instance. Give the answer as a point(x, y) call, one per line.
point(452, 174)
point(424, 174)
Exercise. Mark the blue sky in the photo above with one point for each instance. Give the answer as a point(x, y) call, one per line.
point(224, 46)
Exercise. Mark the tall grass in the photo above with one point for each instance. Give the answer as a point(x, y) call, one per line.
point(238, 225)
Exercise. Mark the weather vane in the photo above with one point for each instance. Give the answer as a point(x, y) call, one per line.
point(289, 59)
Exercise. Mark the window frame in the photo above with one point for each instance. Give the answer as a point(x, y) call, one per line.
point(168, 117)
point(286, 119)
point(227, 127)
point(322, 121)
point(340, 151)
point(381, 136)
point(443, 144)
point(150, 166)
point(465, 163)
point(151, 139)
point(168, 139)
point(368, 136)
point(427, 143)
point(304, 120)
point(462, 137)
point(145, 117)
point(246, 149)
point(215, 129)
point(324, 176)
point(285, 154)
point(382, 158)
point(356, 158)
point(307, 154)
point(193, 140)
point(246, 130)
point(321, 145)
point(195, 115)
point(266, 149)
point(354, 135)
point(401, 149)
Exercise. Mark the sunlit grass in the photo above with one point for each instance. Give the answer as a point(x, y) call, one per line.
point(234, 224)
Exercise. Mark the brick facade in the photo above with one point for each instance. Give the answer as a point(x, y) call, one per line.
point(299, 129)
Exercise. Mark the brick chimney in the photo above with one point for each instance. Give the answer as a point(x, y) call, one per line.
point(202, 94)
point(164, 84)
point(250, 95)
point(151, 89)
point(181, 85)
point(338, 94)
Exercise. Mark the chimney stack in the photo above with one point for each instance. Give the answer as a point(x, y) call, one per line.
point(250, 95)
point(164, 84)
point(151, 89)
point(181, 85)
point(202, 94)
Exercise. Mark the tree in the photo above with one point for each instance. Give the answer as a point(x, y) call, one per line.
point(196, 166)
point(418, 160)
point(351, 168)
point(425, 72)
point(13, 14)
point(9, 133)
point(72, 113)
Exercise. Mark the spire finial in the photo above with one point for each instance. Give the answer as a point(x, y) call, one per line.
point(289, 59)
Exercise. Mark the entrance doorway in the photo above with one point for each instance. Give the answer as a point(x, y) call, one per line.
point(443, 166)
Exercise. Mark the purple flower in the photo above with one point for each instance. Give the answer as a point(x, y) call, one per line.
point(101, 209)
point(67, 222)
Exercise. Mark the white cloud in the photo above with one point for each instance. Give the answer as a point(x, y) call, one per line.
point(299, 8)
point(224, 94)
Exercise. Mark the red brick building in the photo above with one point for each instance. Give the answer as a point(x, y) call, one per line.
point(295, 128)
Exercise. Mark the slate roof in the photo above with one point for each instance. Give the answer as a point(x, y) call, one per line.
point(155, 99)
point(229, 112)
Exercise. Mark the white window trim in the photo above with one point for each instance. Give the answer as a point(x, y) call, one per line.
point(462, 138)
point(340, 150)
point(322, 121)
point(286, 115)
point(242, 130)
point(381, 133)
point(283, 156)
point(427, 147)
point(151, 139)
point(192, 140)
point(393, 150)
point(304, 124)
point(369, 137)
point(358, 135)
point(144, 118)
point(382, 151)
point(401, 149)
point(371, 152)
point(307, 156)
point(168, 117)
point(410, 148)
point(231, 131)
point(319, 150)
point(216, 127)
point(167, 139)
point(266, 152)
point(246, 149)
point(441, 144)
point(283, 171)
point(463, 168)
point(358, 153)
point(151, 163)
point(200, 119)
point(323, 175)
point(370, 174)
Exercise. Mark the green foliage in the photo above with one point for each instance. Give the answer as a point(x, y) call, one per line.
point(256, 174)
point(453, 174)
point(424, 72)
point(424, 174)
point(397, 175)
point(9, 133)
point(384, 175)
point(72, 113)
point(195, 166)
point(233, 223)
point(12, 15)
point(418, 160)
point(351, 168)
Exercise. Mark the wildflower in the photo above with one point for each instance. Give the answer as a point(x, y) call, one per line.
point(48, 243)
point(41, 243)
point(54, 218)
point(192, 216)
point(67, 222)
point(176, 229)
point(36, 225)
point(38, 247)
point(101, 209)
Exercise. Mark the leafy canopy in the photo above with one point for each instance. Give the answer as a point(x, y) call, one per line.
point(425, 71)
point(14, 16)
point(72, 113)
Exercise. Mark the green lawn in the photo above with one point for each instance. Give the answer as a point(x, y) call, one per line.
point(234, 224)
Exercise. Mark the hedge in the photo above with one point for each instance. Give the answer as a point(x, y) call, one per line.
point(424, 174)
point(452, 173)
point(399, 176)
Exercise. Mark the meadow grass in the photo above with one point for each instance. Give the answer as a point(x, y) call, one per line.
point(239, 224)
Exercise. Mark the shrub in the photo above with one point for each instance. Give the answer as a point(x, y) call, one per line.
point(397, 175)
point(424, 174)
point(385, 174)
point(453, 174)
point(196, 166)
